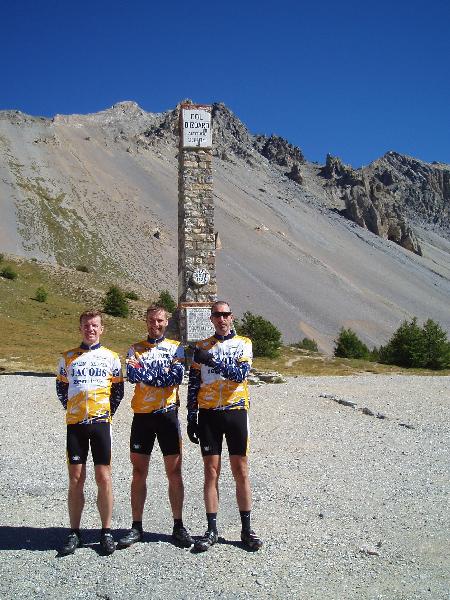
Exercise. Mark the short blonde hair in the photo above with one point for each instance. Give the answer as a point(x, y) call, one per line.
point(91, 314)
point(157, 308)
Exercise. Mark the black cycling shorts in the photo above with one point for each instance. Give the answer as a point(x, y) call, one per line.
point(79, 436)
point(146, 427)
point(214, 424)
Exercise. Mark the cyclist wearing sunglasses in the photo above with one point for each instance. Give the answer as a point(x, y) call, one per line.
point(218, 403)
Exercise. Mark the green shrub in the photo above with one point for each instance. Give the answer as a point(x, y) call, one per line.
point(2, 256)
point(417, 347)
point(374, 354)
point(82, 268)
point(266, 338)
point(115, 303)
point(436, 348)
point(131, 296)
point(33, 259)
point(166, 300)
point(8, 273)
point(348, 345)
point(41, 295)
point(405, 346)
point(307, 344)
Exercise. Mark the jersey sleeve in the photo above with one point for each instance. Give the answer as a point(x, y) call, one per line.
point(173, 375)
point(237, 371)
point(117, 387)
point(62, 383)
point(134, 374)
point(193, 389)
point(239, 368)
point(157, 375)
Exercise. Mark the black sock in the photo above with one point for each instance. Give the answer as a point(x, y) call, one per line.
point(105, 530)
point(177, 523)
point(212, 521)
point(245, 518)
point(137, 525)
point(76, 531)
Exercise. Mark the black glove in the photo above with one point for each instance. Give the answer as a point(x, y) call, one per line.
point(205, 358)
point(192, 428)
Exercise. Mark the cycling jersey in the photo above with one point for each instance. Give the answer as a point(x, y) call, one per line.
point(223, 386)
point(158, 375)
point(89, 384)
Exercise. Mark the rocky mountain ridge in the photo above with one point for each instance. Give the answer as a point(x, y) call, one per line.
point(384, 197)
point(101, 189)
point(391, 192)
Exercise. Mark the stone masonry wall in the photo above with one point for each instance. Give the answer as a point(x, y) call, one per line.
point(196, 244)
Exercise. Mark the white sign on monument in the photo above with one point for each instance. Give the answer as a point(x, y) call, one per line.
point(198, 324)
point(196, 128)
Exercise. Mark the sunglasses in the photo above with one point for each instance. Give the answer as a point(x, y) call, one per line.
point(218, 314)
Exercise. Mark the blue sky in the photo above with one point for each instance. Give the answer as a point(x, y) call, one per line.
point(351, 78)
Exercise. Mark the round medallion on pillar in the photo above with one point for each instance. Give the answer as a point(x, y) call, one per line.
point(200, 277)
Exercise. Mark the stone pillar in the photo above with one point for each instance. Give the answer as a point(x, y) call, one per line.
point(197, 287)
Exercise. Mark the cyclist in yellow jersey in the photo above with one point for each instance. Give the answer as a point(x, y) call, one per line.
point(156, 366)
point(89, 385)
point(218, 404)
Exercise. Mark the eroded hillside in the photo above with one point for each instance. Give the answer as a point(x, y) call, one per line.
point(101, 190)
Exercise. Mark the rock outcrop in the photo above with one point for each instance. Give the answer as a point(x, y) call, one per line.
point(338, 173)
point(295, 174)
point(373, 208)
point(422, 189)
point(278, 150)
point(391, 192)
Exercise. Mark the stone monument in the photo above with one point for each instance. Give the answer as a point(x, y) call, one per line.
point(197, 287)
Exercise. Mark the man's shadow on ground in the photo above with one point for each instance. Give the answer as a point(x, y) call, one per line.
point(52, 538)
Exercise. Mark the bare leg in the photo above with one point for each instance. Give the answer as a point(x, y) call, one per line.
point(75, 499)
point(211, 466)
point(104, 493)
point(140, 464)
point(172, 464)
point(239, 468)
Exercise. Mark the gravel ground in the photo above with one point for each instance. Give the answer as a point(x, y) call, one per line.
point(350, 506)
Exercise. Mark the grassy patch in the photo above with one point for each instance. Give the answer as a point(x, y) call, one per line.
point(34, 333)
point(293, 361)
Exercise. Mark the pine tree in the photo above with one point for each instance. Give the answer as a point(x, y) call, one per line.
point(348, 345)
point(436, 348)
point(405, 348)
point(115, 303)
point(165, 299)
point(266, 338)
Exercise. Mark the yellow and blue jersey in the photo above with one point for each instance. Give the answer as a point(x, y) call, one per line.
point(223, 386)
point(160, 371)
point(89, 384)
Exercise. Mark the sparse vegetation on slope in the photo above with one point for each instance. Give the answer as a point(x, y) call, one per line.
point(411, 346)
point(34, 333)
point(7, 272)
point(420, 347)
